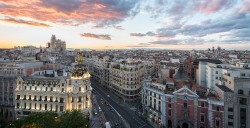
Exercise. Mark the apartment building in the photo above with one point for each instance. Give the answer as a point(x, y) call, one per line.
point(235, 92)
point(153, 102)
point(210, 74)
point(126, 78)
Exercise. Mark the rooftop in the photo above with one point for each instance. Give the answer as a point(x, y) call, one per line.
point(224, 88)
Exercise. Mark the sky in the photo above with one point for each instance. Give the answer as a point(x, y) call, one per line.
point(116, 24)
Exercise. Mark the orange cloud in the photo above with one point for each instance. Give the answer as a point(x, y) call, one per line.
point(97, 36)
point(20, 21)
point(70, 11)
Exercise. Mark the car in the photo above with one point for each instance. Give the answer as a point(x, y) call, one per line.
point(108, 96)
point(99, 109)
point(111, 109)
point(95, 112)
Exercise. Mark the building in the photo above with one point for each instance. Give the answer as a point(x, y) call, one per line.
point(9, 72)
point(58, 93)
point(153, 102)
point(235, 92)
point(26, 50)
point(56, 45)
point(126, 78)
point(122, 77)
point(181, 107)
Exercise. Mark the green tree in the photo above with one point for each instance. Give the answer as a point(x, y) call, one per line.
point(74, 119)
point(69, 119)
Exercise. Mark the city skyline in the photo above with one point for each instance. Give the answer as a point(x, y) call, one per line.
point(119, 24)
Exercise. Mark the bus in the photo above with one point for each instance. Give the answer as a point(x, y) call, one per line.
point(107, 125)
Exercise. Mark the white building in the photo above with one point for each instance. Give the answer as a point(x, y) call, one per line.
point(210, 74)
point(58, 94)
point(153, 101)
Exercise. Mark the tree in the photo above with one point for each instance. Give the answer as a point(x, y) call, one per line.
point(69, 119)
point(74, 119)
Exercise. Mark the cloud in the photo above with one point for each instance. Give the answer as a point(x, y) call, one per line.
point(97, 36)
point(21, 21)
point(99, 12)
point(137, 34)
point(118, 27)
point(160, 33)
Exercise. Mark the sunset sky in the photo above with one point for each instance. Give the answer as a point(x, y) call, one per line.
point(111, 24)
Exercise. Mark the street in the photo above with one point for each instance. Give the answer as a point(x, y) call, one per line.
point(128, 115)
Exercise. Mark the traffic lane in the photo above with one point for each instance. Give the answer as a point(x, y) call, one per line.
point(103, 111)
point(111, 117)
point(117, 100)
point(125, 114)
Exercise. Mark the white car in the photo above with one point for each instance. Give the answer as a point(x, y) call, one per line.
point(100, 109)
point(108, 96)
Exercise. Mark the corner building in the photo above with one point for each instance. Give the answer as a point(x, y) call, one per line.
point(126, 79)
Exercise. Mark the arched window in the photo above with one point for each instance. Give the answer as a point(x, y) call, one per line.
point(240, 92)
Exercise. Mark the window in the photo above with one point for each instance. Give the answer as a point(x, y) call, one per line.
point(45, 98)
point(18, 97)
point(29, 97)
point(218, 108)
point(51, 99)
point(230, 109)
point(169, 105)
point(240, 92)
point(243, 101)
point(34, 98)
point(45, 106)
point(61, 100)
point(169, 112)
point(230, 123)
point(185, 105)
point(51, 89)
point(62, 89)
point(217, 123)
point(24, 97)
point(61, 108)
point(17, 105)
point(202, 104)
point(243, 117)
point(169, 99)
point(79, 89)
point(79, 99)
point(216, 72)
point(202, 118)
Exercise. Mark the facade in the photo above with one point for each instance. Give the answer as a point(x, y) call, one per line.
point(58, 94)
point(180, 108)
point(9, 72)
point(153, 102)
point(235, 92)
point(210, 74)
point(126, 78)
point(122, 77)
